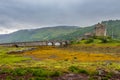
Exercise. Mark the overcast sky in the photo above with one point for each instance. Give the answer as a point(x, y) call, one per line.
point(27, 14)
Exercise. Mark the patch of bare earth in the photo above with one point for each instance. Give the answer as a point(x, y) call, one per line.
point(72, 76)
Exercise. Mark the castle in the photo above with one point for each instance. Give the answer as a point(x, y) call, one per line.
point(100, 30)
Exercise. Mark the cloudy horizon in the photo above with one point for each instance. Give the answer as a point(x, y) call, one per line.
point(28, 14)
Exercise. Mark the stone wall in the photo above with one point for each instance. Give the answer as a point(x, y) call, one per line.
point(37, 43)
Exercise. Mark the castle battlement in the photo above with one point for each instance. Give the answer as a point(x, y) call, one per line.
point(100, 30)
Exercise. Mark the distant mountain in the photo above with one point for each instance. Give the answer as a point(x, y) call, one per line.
point(37, 34)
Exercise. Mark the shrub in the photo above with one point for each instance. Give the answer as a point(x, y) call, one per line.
point(32, 79)
point(75, 57)
point(19, 72)
point(89, 41)
point(41, 72)
point(77, 70)
point(104, 40)
point(73, 69)
point(83, 71)
point(37, 72)
point(73, 42)
point(56, 73)
point(91, 78)
point(4, 70)
point(109, 75)
point(9, 78)
point(21, 79)
point(66, 60)
point(105, 78)
point(94, 73)
point(39, 78)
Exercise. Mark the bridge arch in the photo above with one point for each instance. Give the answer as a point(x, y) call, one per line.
point(57, 43)
point(50, 43)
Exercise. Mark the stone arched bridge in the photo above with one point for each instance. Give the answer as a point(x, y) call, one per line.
point(37, 43)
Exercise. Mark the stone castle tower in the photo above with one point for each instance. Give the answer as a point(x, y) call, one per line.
point(100, 30)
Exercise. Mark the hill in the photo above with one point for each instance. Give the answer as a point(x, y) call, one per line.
point(113, 30)
point(37, 34)
point(59, 33)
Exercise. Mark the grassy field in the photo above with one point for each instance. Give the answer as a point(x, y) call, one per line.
point(9, 58)
point(77, 58)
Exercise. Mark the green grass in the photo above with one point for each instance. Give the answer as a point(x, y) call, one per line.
point(10, 58)
point(98, 41)
point(35, 72)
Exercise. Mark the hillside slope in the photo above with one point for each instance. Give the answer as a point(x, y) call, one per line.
point(113, 30)
point(59, 33)
point(37, 34)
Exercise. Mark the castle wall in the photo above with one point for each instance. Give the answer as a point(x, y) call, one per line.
point(100, 30)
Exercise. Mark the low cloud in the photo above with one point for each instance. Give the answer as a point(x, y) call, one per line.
point(25, 14)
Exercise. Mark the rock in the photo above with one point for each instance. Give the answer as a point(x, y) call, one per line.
point(20, 51)
point(72, 76)
point(14, 52)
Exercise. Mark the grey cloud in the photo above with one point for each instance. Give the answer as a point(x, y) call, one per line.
point(20, 14)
